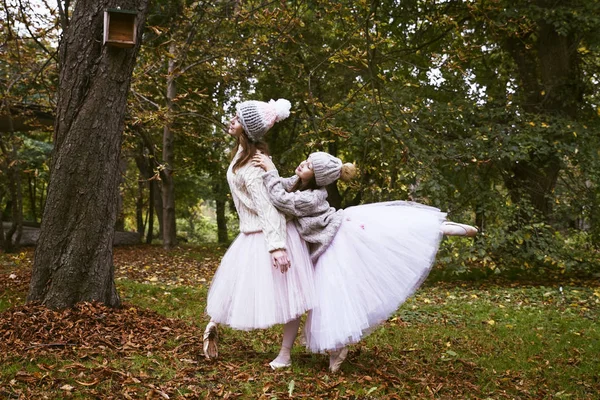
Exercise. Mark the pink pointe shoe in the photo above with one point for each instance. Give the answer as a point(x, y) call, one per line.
point(210, 341)
point(336, 358)
point(275, 365)
point(456, 229)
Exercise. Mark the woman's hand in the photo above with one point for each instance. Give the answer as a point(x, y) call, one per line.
point(279, 259)
point(264, 162)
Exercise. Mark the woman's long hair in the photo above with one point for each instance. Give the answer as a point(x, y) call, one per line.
point(249, 150)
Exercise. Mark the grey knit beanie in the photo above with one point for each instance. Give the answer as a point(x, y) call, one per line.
point(326, 167)
point(257, 117)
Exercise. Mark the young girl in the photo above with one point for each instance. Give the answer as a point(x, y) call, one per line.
point(368, 259)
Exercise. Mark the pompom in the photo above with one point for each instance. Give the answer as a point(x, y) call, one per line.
point(282, 108)
point(347, 172)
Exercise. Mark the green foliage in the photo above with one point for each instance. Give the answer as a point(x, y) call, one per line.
point(487, 110)
point(28, 78)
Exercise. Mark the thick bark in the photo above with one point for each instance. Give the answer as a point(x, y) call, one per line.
point(168, 184)
point(73, 259)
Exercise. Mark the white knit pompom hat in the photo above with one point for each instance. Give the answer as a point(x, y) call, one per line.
point(328, 169)
point(257, 117)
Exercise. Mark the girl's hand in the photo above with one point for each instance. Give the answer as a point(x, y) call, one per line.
point(280, 259)
point(264, 162)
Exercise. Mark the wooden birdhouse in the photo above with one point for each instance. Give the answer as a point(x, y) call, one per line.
point(120, 27)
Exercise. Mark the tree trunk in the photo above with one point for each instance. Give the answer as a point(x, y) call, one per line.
point(144, 163)
point(73, 259)
point(220, 195)
point(168, 184)
point(534, 183)
point(139, 207)
point(120, 223)
point(152, 196)
point(16, 193)
point(551, 86)
point(43, 193)
point(15, 201)
point(1, 219)
point(221, 222)
point(594, 215)
point(32, 194)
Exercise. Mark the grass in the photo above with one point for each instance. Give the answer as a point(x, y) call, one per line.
point(515, 335)
point(182, 302)
point(450, 341)
point(509, 340)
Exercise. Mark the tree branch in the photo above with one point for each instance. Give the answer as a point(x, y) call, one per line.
point(64, 14)
point(35, 39)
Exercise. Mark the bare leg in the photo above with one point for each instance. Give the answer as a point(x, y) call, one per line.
point(290, 331)
point(455, 229)
point(211, 341)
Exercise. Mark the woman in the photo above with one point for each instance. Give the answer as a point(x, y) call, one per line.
point(266, 275)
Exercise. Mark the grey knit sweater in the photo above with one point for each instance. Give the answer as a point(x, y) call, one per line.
point(316, 220)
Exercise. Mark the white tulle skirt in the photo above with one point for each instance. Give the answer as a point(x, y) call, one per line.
point(381, 254)
point(247, 292)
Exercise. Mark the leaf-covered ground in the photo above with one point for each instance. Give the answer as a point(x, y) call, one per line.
point(451, 341)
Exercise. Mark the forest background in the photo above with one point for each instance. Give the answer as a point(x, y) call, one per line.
point(488, 110)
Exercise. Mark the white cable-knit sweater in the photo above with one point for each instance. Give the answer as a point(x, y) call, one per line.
point(255, 210)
